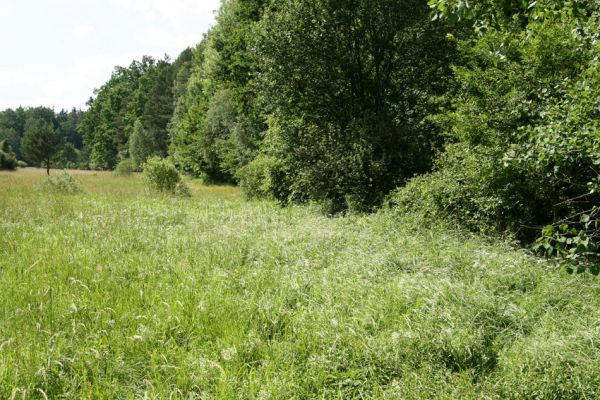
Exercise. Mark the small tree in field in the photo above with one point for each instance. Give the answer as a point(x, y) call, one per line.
point(162, 176)
point(41, 143)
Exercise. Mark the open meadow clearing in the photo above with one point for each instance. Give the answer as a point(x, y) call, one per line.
point(117, 292)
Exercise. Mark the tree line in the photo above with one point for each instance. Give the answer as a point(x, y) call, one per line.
point(41, 136)
point(485, 112)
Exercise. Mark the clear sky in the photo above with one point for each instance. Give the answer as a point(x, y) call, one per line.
point(55, 52)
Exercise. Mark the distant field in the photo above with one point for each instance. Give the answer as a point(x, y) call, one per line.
point(117, 292)
point(42, 171)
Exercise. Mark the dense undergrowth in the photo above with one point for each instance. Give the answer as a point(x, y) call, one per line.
point(117, 292)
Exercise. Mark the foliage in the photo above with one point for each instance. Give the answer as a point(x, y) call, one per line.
point(523, 125)
point(13, 124)
point(141, 145)
point(579, 247)
point(161, 175)
point(217, 125)
point(12, 138)
point(141, 92)
point(41, 142)
point(69, 156)
point(12, 127)
point(349, 86)
point(260, 178)
point(67, 126)
point(8, 160)
point(564, 149)
point(125, 168)
point(182, 190)
point(158, 107)
point(107, 124)
point(185, 146)
point(64, 183)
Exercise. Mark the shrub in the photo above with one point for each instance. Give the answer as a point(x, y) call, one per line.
point(7, 161)
point(525, 118)
point(22, 164)
point(125, 167)
point(161, 175)
point(182, 190)
point(564, 151)
point(266, 177)
point(471, 185)
point(256, 177)
point(7, 157)
point(64, 183)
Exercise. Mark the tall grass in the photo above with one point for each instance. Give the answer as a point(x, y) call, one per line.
point(116, 292)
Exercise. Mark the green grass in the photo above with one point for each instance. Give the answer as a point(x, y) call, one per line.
point(120, 293)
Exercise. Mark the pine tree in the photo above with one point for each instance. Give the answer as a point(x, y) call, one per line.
point(41, 142)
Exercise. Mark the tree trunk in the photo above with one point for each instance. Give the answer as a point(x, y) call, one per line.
point(48, 168)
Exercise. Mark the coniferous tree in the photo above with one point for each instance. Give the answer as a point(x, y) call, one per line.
point(41, 143)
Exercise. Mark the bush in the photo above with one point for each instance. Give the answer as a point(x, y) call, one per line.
point(8, 160)
point(525, 118)
point(161, 175)
point(124, 168)
point(182, 190)
point(256, 178)
point(564, 151)
point(22, 164)
point(473, 186)
point(64, 183)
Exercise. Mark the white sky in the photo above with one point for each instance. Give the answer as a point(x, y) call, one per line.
point(55, 52)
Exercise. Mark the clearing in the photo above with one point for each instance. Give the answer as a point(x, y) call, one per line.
point(120, 293)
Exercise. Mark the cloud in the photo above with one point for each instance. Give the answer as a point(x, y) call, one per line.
point(16, 77)
point(161, 38)
point(72, 46)
point(168, 26)
point(176, 12)
point(83, 31)
point(72, 88)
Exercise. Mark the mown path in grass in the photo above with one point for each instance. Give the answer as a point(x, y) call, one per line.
point(121, 293)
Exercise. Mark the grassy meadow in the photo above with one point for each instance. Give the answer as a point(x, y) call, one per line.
point(117, 292)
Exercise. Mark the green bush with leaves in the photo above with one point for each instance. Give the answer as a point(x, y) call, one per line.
point(64, 183)
point(574, 241)
point(182, 190)
point(471, 186)
point(8, 160)
point(522, 129)
point(124, 168)
point(162, 176)
point(564, 151)
point(258, 178)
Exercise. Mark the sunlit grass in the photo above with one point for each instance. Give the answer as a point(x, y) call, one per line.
point(117, 292)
